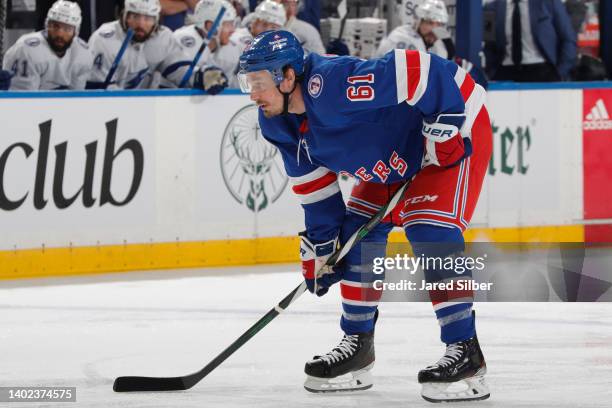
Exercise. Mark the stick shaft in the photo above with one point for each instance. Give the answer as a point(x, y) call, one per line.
point(3, 21)
point(299, 290)
point(198, 55)
point(111, 72)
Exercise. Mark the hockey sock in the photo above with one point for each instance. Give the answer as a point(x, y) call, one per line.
point(453, 308)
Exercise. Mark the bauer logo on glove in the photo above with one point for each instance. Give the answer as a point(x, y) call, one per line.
point(443, 127)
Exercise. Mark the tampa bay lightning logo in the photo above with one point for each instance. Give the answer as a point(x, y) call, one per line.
point(107, 33)
point(315, 85)
point(188, 41)
point(32, 42)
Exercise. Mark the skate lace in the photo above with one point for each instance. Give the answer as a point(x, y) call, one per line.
point(452, 355)
point(345, 349)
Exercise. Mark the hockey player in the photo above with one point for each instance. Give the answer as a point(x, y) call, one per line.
point(308, 35)
point(55, 58)
point(221, 51)
point(269, 15)
point(153, 49)
point(428, 32)
point(406, 116)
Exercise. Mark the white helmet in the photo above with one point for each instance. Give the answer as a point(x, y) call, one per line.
point(65, 12)
point(432, 10)
point(272, 12)
point(208, 10)
point(150, 8)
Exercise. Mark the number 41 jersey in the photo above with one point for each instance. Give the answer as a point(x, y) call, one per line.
point(35, 66)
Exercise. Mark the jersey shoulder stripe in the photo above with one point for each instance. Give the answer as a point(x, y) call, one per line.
point(411, 73)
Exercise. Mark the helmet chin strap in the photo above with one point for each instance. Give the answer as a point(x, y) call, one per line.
point(286, 98)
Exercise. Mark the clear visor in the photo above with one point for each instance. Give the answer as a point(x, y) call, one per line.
point(257, 81)
point(60, 26)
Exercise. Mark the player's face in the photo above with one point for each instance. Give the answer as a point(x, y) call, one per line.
point(259, 26)
point(426, 31)
point(60, 35)
point(142, 25)
point(225, 31)
point(238, 6)
point(264, 93)
point(291, 7)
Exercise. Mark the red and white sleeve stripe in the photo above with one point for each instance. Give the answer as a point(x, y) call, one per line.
point(317, 185)
point(411, 73)
point(474, 97)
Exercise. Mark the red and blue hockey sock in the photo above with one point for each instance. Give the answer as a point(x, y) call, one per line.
point(453, 308)
point(359, 298)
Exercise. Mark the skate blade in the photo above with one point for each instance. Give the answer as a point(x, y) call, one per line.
point(356, 381)
point(469, 389)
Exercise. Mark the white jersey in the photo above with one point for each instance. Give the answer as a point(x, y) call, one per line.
point(404, 37)
point(307, 34)
point(36, 66)
point(225, 57)
point(242, 37)
point(160, 53)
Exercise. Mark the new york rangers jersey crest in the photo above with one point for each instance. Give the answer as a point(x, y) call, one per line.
point(315, 85)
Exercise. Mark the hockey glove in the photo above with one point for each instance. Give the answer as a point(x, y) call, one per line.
point(211, 79)
point(445, 146)
point(319, 277)
point(5, 80)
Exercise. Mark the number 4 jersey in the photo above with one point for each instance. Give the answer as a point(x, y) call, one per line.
point(379, 120)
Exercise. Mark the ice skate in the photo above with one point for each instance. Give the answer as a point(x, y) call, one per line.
point(457, 376)
point(345, 368)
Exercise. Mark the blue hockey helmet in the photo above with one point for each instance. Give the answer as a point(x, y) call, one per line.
point(271, 51)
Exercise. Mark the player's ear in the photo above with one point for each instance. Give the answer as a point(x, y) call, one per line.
point(289, 79)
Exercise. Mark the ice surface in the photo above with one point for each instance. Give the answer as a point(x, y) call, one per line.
point(84, 332)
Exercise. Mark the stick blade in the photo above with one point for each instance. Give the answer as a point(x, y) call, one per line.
point(135, 384)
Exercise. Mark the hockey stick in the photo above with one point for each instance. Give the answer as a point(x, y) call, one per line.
point(338, 46)
point(196, 58)
point(113, 68)
point(343, 14)
point(3, 17)
point(126, 384)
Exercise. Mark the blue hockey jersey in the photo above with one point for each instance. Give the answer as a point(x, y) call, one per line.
point(365, 118)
